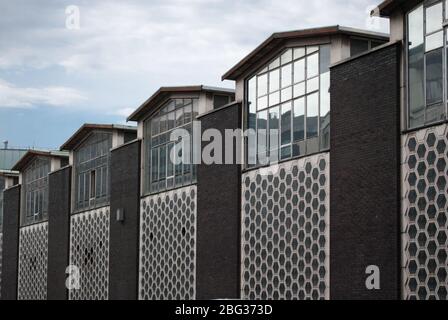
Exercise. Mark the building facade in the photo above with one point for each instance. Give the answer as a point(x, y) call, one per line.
point(333, 185)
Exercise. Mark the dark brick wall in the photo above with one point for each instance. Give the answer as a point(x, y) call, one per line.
point(124, 236)
point(58, 232)
point(218, 224)
point(11, 214)
point(365, 175)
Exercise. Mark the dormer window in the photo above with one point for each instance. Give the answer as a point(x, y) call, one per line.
point(291, 96)
point(35, 190)
point(91, 171)
point(161, 173)
point(426, 58)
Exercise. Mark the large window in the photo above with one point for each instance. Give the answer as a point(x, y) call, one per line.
point(35, 184)
point(92, 161)
point(426, 64)
point(289, 96)
point(162, 172)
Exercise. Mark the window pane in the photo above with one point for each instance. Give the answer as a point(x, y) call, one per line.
point(170, 169)
point(434, 41)
point(262, 85)
point(262, 103)
point(252, 95)
point(434, 76)
point(299, 71)
point(155, 165)
point(286, 94)
point(251, 142)
point(274, 118)
point(299, 89)
point(312, 115)
point(162, 164)
point(196, 108)
point(312, 85)
point(274, 98)
point(262, 119)
point(312, 49)
point(179, 117)
point(171, 120)
point(299, 119)
point(299, 53)
point(416, 68)
point(434, 18)
point(274, 80)
point(286, 57)
point(286, 75)
point(274, 64)
point(286, 124)
point(312, 66)
point(187, 113)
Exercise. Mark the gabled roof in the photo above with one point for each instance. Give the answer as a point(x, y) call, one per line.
point(31, 154)
point(165, 92)
point(277, 39)
point(87, 128)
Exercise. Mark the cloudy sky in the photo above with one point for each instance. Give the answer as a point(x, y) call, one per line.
point(54, 78)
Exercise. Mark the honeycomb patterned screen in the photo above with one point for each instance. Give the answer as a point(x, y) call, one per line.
point(33, 259)
point(168, 246)
point(89, 251)
point(424, 228)
point(285, 232)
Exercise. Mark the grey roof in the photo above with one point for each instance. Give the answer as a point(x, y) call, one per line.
point(9, 157)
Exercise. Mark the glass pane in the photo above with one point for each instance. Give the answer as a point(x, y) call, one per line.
point(312, 49)
point(262, 85)
point(196, 108)
point(252, 95)
point(286, 94)
point(434, 18)
point(171, 120)
point(312, 85)
point(287, 75)
point(262, 103)
point(312, 66)
point(325, 110)
point(434, 41)
point(286, 124)
point(416, 68)
point(262, 126)
point(299, 89)
point(299, 119)
point(299, 71)
point(274, 117)
point(179, 117)
point(434, 76)
point(286, 57)
point(155, 165)
point(274, 98)
point(170, 168)
point(299, 53)
point(274, 80)
point(251, 142)
point(274, 64)
point(162, 164)
point(325, 58)
point(312, 115)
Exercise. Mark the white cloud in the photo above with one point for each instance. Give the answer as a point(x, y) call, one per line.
point(21, 97)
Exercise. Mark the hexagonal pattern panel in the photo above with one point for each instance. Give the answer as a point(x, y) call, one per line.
point(33, 262)
point(89, 251)
point(424, 210)
point(168, 246)
point(285, 231)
